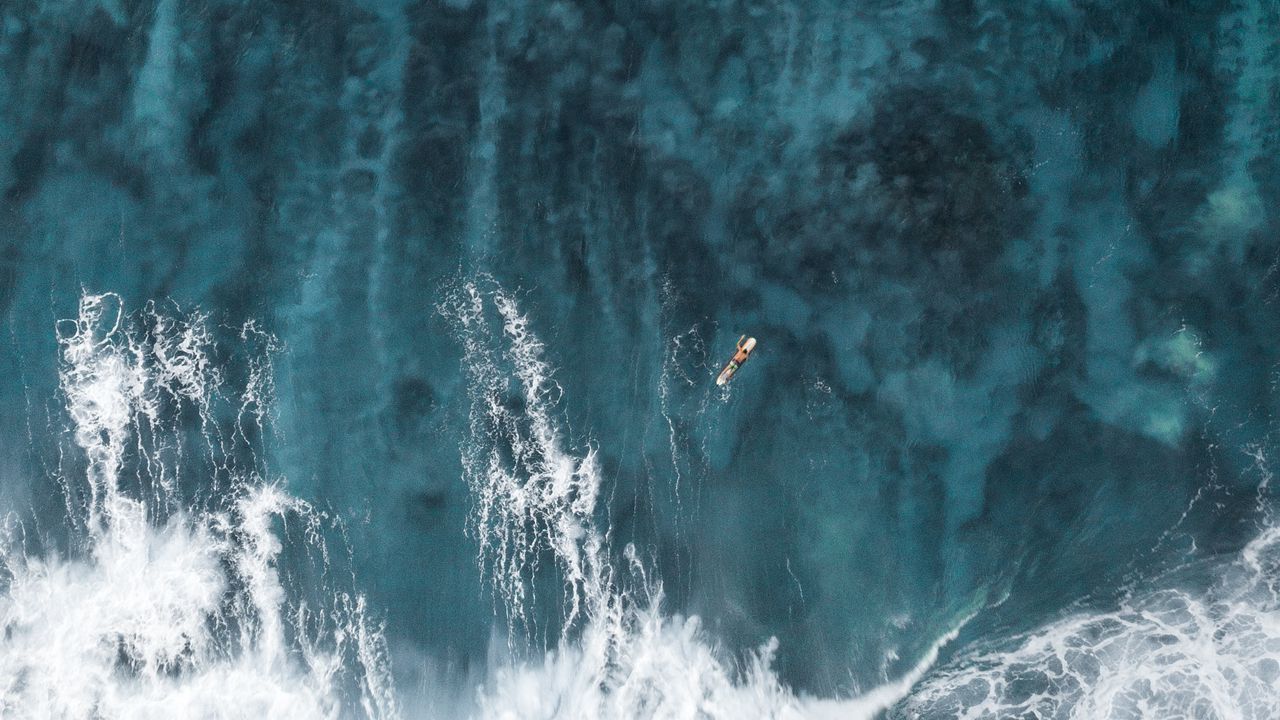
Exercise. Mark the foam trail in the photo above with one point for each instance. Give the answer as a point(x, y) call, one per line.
point(175, 607)
point(618, 656)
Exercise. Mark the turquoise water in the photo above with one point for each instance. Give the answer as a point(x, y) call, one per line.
point(418, 310)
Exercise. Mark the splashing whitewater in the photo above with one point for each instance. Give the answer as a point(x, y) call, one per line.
point(172, 603)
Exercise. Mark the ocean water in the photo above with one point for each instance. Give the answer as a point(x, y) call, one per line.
point(358, 359)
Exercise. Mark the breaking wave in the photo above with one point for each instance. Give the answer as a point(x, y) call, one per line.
point(185, 581)
point(174, 596)
point(1167, 651)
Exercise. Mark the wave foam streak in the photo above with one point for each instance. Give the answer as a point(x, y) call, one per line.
point(530, 494)
point(174, 608)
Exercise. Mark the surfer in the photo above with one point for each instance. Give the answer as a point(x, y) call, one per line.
point(745, 346)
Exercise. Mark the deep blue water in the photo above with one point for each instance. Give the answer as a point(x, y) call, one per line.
point(1013, 267)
